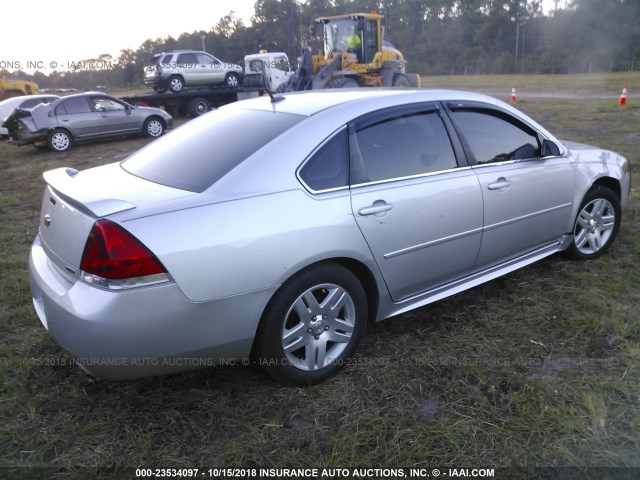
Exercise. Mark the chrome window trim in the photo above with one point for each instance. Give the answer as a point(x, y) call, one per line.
point(412, 177)
point(513, 162)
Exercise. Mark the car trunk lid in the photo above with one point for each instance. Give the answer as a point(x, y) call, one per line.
point(73, 201)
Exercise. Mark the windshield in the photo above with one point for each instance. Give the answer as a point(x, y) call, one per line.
point(281, 63)
point(340, 35)
point(202, 151)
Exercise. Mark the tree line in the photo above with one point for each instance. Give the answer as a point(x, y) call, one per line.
point(437, 37)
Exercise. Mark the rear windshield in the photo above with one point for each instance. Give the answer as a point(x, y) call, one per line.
point(153, 61)
point(203, 150)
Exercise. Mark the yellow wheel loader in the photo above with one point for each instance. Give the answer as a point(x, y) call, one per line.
point(14, 87)
point(355, 55)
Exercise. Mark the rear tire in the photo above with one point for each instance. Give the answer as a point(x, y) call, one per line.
point(596, 224)
point(415, 81)
point(197, 107)
point(312, 325)
point(175, 83)
point(59, 140)
point(232, 81)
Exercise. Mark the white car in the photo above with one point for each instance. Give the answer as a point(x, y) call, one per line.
point(7, 106)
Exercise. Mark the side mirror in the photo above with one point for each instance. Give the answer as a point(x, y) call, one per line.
point(549, 149)
point(312, 29)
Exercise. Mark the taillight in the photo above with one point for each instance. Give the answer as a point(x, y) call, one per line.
point(113, 258)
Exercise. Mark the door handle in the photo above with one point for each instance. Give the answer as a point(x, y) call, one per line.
point(379, 206)
point(501, 184)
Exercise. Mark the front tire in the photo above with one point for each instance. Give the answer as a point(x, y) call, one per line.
point(596, 224)
point(153, 127)
point(59, 140)
point(312, 324)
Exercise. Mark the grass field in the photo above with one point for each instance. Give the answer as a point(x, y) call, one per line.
point(539, 368)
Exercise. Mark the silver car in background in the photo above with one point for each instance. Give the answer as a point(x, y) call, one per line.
point(277, 229)
point(188, 68)
point(85, 116)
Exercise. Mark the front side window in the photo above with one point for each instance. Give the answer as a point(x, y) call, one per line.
point(404, 146)
point(495, 137)
point(107, 105)
point(204, 59)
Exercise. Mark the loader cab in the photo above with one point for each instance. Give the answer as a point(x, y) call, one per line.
point(358, 34)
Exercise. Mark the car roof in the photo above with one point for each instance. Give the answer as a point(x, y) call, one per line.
point(312, 102)
point(85, 94)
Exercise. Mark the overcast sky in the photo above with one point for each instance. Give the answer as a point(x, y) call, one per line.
point(45, 34)
point(49, 33)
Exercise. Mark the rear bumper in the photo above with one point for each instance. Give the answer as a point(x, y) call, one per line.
point(142, 332)
point(155, 81)
point(22, 136)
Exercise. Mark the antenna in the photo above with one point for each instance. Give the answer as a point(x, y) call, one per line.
point(267, 88)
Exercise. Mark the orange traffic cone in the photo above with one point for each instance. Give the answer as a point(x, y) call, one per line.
point(623, 97)
point(513, 95)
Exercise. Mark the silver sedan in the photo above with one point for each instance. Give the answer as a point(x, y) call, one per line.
point(277, 229)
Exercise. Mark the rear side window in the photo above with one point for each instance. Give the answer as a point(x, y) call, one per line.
point(200, 152)
point(187, 59)
point(328, 167)
point(76, 105)
point(404, 146)
point(60, 110)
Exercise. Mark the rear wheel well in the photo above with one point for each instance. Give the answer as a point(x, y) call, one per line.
point(362, 273)
point(368, 283)
point(63, 129)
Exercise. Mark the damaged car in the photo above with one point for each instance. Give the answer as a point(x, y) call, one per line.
point(85, 116)
point(27, 101)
